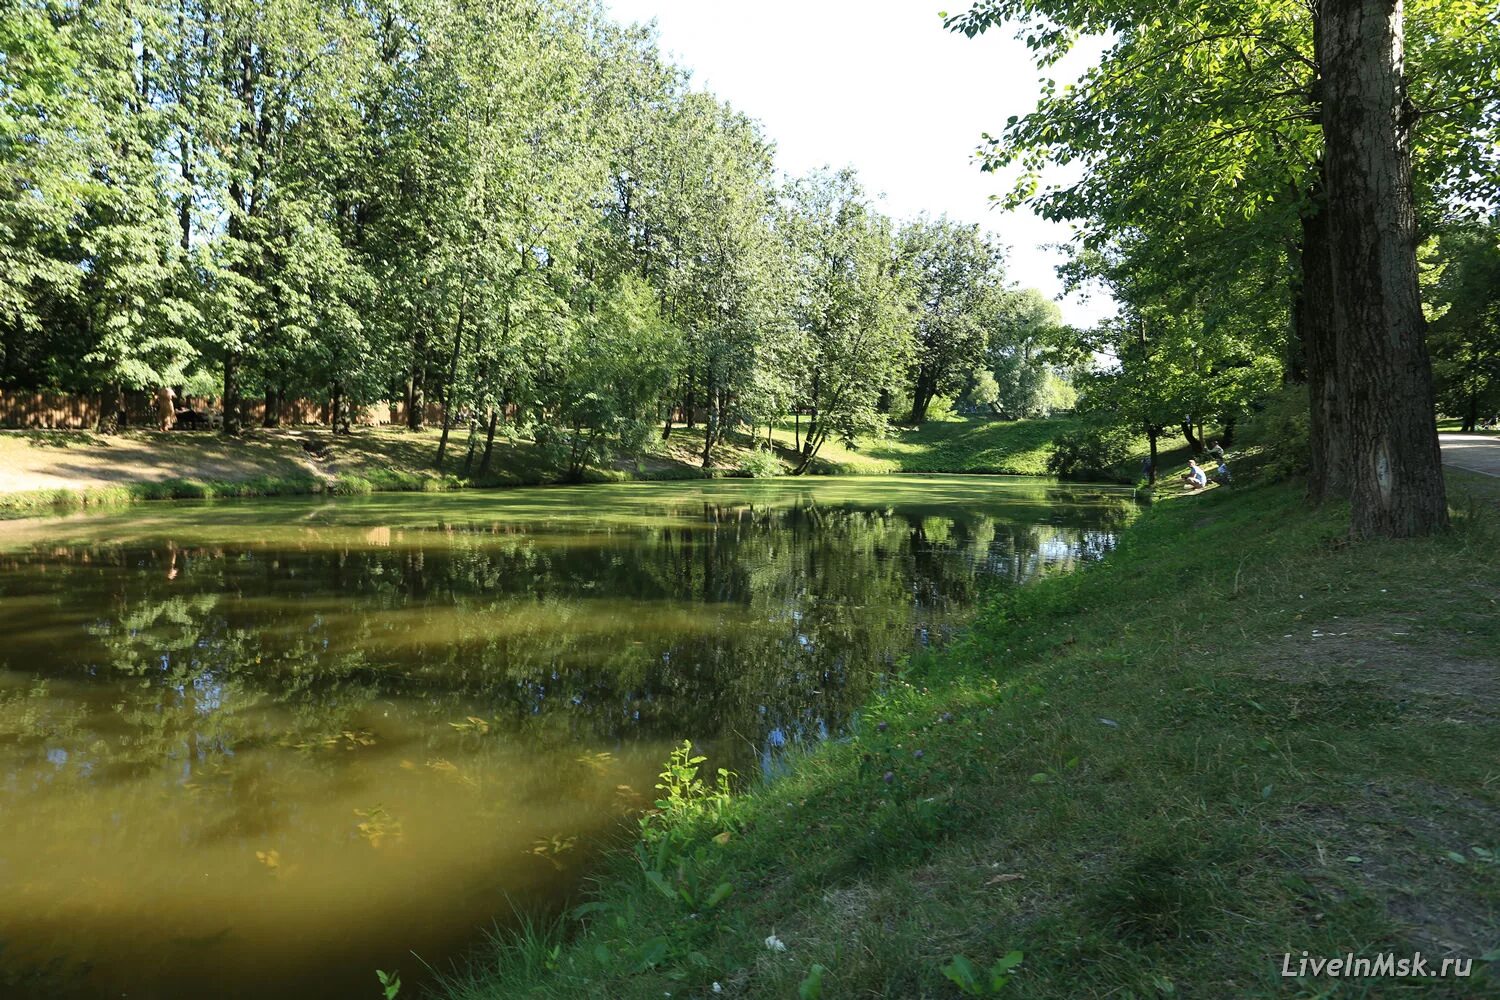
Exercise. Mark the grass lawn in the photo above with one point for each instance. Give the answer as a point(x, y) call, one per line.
point(1010, 447)
point(1453, 425)
point(956, 444)
point(1238, 737)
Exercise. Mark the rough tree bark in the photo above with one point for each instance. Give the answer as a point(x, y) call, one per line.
point(922, 393)
point(231, 403)
point(1384, 375)
point(1313, 317)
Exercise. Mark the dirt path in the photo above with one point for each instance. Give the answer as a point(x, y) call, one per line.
point(33, 460)
point(1474, 452)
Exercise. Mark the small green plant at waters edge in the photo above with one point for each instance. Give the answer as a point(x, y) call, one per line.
point(390, 983)
point(811, 987)
point(962, 973)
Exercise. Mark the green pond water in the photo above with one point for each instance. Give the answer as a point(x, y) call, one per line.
point(262, 748)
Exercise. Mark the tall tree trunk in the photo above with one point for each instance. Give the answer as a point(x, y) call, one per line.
point(710, 423)
point(473, 444)
point(921, 397)
point(1152, 433)
point(1395, 467)
point(272, 416)
point(445, 394)
point(1471, 414)
point(1313, 315)
point(489, 440)
point(416, 391)
point(1195, 443)
point(232, 393)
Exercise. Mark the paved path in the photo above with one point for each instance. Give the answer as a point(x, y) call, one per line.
point(1475, 452)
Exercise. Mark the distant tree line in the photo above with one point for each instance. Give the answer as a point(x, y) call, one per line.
point(518, 212)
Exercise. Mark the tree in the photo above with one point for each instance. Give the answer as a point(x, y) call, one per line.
point(1021, 327)
point(955, 273)
point(1466, 324)
point(1395, 467)
point(47, 129)
point(618, 361)
point(854, 308)
point(1231, 96)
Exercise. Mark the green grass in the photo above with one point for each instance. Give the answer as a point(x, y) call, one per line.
point(1007, 447)
point(1455, 426)
point(971, 445)
point(959, 444)
point(1237, 737)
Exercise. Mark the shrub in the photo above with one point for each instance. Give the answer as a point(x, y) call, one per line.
point(350, 485)
point(1090, 453)
point(758, 464)
point(1282, 425)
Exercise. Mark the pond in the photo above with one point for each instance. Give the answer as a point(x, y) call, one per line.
point(266, 747)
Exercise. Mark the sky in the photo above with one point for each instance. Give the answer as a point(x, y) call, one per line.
point(880, 86)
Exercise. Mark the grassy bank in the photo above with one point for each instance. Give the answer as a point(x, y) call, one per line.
point(47, 471)
point(978, 445)
point(958, 444)
point(1237, 737)
point(42, 471)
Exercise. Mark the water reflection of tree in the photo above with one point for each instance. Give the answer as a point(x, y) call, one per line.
point(752, 623)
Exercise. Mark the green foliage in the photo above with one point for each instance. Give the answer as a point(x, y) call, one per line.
point(1464, 296)
point(811, 987)
point(1094, 452)
point(962, 974)
point(390, 983)
point(759, 464)
point(684, 795)
point(853, 328)
point(1281, 427)
point(956, 277)
point(1025, 332)
point(984, 391)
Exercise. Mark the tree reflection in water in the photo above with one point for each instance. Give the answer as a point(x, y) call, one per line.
point(342, 732)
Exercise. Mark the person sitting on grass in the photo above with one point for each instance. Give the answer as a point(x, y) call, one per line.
point(1195, 478)
point(1221, 474)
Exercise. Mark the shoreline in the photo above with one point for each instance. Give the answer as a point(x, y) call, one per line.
point(1107, 767)
point(96, 472)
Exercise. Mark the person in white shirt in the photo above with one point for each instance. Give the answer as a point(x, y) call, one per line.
point(1195, 477)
